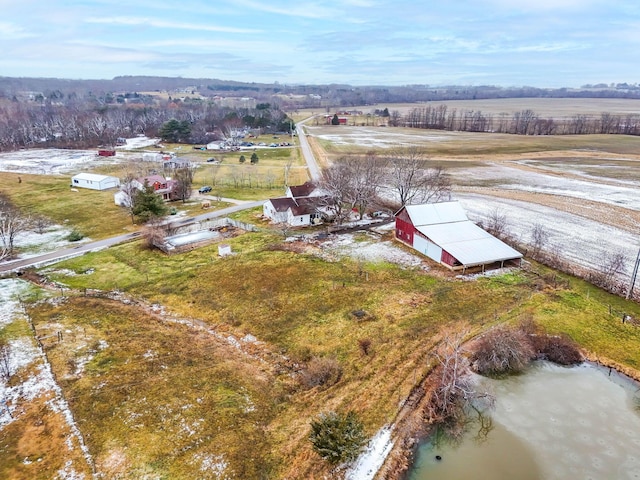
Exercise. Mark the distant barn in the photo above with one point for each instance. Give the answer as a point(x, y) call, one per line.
point(442, 232)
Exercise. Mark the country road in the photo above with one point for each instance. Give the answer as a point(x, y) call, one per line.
point(55, 256)
point(58, 255)
point(307, 153)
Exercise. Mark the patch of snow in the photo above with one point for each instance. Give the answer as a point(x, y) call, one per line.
point(370, 461)
point(579, 240)
point(138, 142)
point(346, 245)
point(215, 464)
point(10, 290)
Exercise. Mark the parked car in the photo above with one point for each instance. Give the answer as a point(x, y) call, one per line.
point(205, 189)
point(211, 159)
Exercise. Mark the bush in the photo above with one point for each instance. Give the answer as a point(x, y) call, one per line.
point(321, 372)
point(561, 349)
point(337, 437)
point(75, 236)
point(502, 350)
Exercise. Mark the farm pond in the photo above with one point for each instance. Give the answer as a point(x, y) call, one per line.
point(551, 423)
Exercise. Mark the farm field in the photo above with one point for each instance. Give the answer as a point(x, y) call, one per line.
point(584, 190)
point(201, 366)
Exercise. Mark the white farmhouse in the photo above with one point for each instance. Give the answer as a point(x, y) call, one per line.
point(94, 181)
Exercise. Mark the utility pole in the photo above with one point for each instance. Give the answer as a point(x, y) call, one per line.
point(632, 282)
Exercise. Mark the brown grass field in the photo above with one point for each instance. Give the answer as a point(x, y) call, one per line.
point(189, 366)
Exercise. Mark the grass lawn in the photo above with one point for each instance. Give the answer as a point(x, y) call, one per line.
point(166, 394)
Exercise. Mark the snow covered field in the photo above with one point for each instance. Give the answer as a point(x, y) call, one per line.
point(53, 161)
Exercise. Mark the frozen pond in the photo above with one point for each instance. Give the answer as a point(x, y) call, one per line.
point(553, 423)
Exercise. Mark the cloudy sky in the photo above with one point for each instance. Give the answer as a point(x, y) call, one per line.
point(544, 43)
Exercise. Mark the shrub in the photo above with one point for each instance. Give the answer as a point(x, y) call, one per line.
point(502, 350)
point(365, 345)
point(337, 437)
point(321, 372)
point(557, 349)
point(75, 236)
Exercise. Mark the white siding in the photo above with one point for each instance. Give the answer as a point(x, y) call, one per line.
point(430, 249)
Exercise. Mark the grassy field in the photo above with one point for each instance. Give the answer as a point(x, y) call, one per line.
point(165, 393)
point(344, 140)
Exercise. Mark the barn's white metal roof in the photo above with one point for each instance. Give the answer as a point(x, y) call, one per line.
point(434, 213)
point(468, 243)
point(446, 224)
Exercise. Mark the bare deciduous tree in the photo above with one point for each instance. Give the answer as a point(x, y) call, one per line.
point(496, 223)
point(12, 222)
point(454, 388)
point(184, 180)
point(412, 179)
point(539, 239)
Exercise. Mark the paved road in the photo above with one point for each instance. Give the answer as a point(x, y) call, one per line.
point(52, 257)
point(307, 153)
point(58, 255)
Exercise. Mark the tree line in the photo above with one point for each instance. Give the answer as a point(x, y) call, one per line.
point(74, 122)
point(524, 122)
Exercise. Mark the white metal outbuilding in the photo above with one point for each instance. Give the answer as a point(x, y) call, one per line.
point(94, 181)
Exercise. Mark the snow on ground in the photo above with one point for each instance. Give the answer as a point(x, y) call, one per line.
point(23, 353)
point(624, 194)
point(54, 161)
point(374, 137)
point(138, 142)
point(370, 461)
point(577, 239)
point(369, 250)
point(46, 161)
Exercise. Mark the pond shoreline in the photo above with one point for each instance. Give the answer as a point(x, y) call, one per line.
point(411, 431)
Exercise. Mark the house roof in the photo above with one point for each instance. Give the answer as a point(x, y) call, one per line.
point(93, 177)
point(446, 224)
point(298, 206)
point(305, 205)
point(151, 179)
point(303, 190)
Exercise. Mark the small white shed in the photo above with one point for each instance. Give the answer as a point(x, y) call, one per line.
point(94, 181)
point(224, 249)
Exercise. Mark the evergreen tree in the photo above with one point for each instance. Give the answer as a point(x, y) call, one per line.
point(147, 204)
point(254, 158)
point(175, 131)
point(242, 159)
point(337, 437)
point(335, 120)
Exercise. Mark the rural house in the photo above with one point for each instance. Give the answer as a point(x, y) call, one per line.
point(298, 208)
point(162, 186)
point(94, 181)
point(442, 232)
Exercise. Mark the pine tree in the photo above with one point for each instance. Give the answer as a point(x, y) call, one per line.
point(337, 437)
point(147, 204)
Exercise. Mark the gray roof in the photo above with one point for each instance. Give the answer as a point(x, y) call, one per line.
point(446, 224)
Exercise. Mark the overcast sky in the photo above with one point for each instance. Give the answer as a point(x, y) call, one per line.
point(543, 43)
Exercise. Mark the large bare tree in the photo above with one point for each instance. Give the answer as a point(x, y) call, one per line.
point(12, 222)
point(413, 179)
point(184, 180)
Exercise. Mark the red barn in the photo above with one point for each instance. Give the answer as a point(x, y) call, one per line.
point(442, 232)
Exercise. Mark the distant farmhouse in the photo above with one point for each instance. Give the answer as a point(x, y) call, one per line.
point(94, 181)
point(442, 232)
point(162, 186)
point(298, 208)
